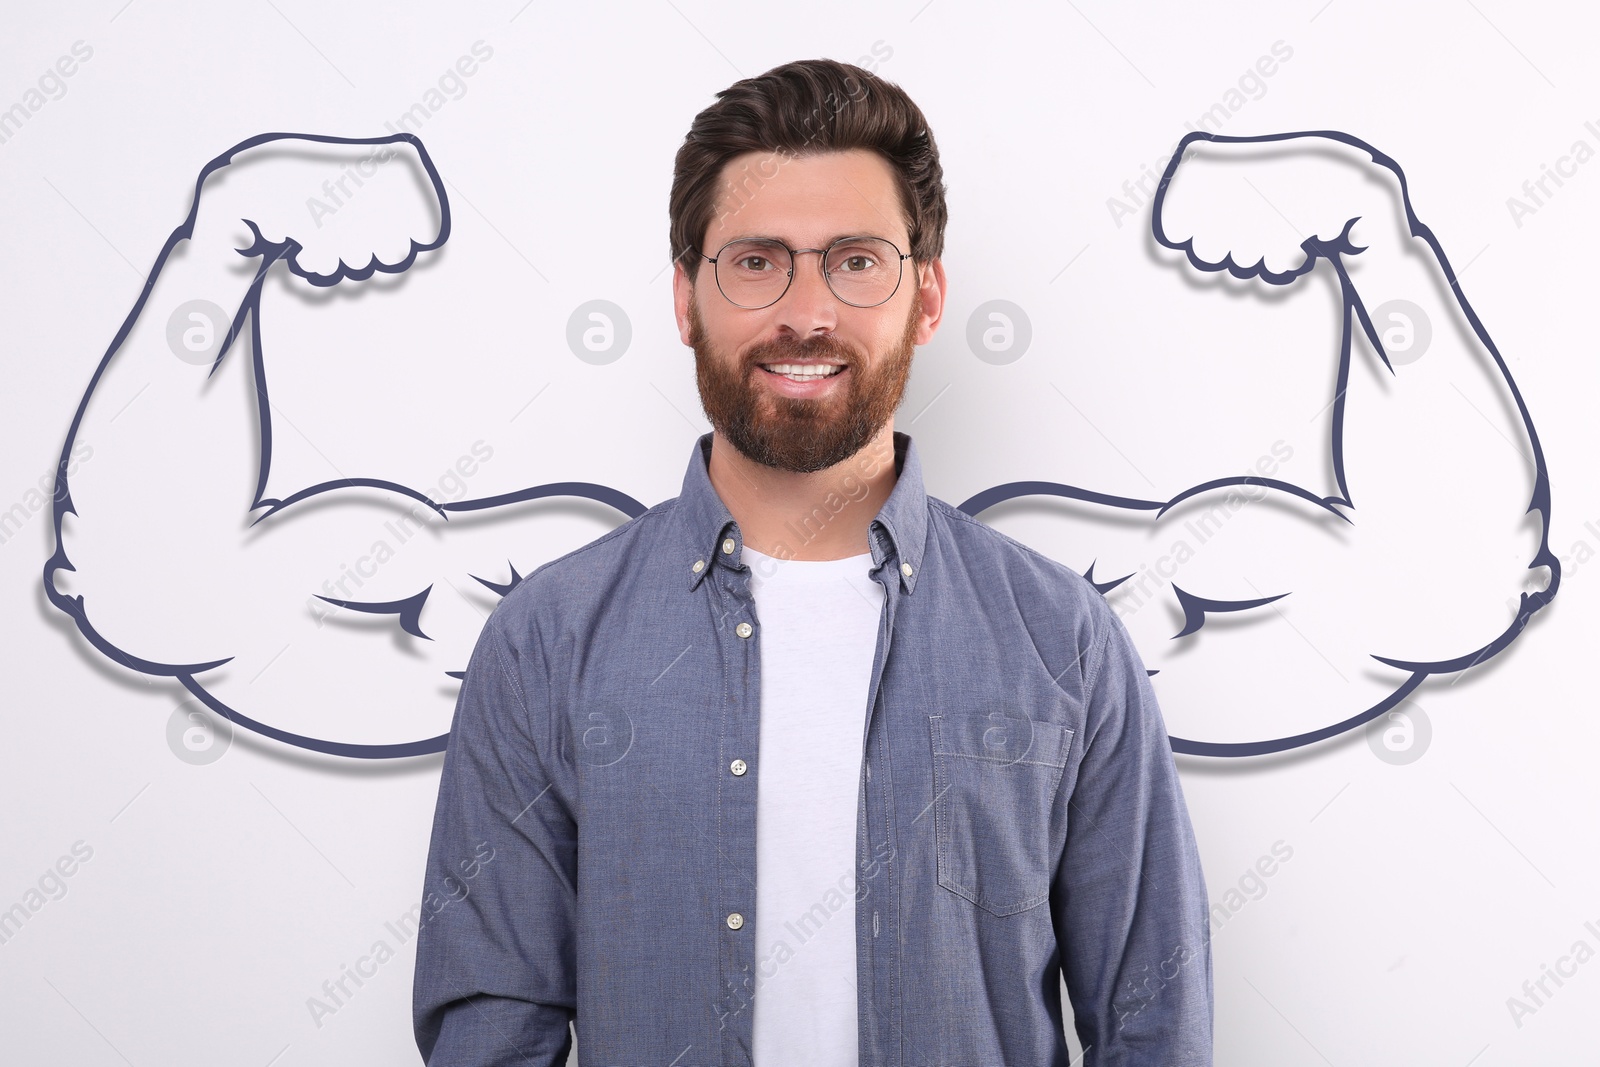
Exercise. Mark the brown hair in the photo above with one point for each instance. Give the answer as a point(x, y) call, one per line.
point(803, 108)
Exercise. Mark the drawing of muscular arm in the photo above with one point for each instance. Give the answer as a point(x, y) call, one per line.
point(205, 284)
point(1430, 552)
point(171, 556)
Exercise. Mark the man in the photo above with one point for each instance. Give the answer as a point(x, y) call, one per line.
point(803, 765)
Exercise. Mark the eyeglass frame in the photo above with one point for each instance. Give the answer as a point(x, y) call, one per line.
point(821, 266)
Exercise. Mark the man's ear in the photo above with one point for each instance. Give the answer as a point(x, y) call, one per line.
point(933, 286)
point(682, 293)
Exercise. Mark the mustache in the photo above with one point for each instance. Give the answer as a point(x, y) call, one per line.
point(781, 350)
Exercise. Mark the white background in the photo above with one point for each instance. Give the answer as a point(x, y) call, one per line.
point(219, 898)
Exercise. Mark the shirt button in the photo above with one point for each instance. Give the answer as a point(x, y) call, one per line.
point(699, 565)
point(738, 766)
point(744, 629)
point(727, 545)
point(905, 569)
point(735, 920)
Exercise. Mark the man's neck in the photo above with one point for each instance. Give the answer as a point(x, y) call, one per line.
point(816, 516)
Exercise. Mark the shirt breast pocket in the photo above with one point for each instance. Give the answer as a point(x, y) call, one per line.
point(995, 780)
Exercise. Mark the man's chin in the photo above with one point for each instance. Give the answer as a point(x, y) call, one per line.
point(792, 444)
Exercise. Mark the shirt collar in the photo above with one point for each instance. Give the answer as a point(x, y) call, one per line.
point(895, 535)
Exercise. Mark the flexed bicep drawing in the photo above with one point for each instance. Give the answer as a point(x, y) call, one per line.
point(327, 612)
point(329, 598)
point(1274, 614)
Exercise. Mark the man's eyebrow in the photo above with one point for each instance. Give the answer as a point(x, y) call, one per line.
point(825, 243)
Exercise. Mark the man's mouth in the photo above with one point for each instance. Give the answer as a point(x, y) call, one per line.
point(803, 372)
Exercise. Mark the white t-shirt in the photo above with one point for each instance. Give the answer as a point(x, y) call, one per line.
point(819, 631)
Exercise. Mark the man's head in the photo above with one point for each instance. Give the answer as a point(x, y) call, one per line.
point(805, 154)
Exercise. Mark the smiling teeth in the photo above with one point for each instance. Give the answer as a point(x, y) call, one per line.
point(803, 372)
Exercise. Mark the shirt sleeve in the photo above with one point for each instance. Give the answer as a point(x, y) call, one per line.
point(496, 973)
point(1129, 900)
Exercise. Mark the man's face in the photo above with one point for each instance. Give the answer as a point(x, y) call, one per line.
point(807, 203)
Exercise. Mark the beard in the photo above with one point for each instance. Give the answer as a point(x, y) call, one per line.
point(801, 434)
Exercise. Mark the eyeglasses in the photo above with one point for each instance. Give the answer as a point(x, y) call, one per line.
point(755, 272)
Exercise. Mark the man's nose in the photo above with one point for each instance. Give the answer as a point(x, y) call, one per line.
point(809, 306)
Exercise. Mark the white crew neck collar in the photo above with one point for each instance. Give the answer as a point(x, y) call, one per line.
point(768, 568)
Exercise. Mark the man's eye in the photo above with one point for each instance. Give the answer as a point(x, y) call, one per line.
point(752, 263)
point(858, 263)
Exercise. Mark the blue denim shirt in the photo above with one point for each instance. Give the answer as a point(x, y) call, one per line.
point(593, 855)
